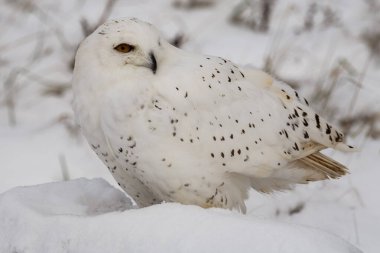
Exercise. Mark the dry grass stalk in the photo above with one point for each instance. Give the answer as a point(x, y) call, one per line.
point(64, 168)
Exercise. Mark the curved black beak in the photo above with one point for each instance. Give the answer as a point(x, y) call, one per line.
point(153, 62)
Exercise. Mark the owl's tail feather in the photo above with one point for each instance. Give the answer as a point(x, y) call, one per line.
point(314, 167)
point(324, 164)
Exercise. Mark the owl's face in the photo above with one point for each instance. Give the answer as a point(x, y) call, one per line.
point(121, 45)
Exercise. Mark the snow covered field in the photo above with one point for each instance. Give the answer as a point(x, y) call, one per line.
point(332, 58)
point(87, 216)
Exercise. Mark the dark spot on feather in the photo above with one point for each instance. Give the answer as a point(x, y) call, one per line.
point(317, 120)
point(338, 137)
point(328, 129)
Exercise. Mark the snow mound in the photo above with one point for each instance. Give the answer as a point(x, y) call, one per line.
point(92, 216)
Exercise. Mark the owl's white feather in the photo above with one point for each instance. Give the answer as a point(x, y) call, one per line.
point(177, 126)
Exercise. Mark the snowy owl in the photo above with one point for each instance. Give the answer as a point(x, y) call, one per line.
point(182, 127)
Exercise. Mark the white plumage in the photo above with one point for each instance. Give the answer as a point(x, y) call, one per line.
point(177, 126)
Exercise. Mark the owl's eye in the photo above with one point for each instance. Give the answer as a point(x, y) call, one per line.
point(124, 48)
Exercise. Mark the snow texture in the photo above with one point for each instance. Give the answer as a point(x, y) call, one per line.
point(92, 216)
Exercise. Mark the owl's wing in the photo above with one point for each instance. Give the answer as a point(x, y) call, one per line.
point(300, 113)
point(267, 130)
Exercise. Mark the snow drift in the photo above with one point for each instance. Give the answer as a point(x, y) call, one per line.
point(92, 216)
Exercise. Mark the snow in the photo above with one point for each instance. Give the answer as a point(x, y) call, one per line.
point(92, 216)
point(39, 39)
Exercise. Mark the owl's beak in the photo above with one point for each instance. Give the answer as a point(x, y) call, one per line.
point(153, 62)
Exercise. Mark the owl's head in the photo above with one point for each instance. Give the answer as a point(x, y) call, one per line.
point(122, 44)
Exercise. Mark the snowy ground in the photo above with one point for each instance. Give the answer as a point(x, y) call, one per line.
point(39, 141)
point(90, 216)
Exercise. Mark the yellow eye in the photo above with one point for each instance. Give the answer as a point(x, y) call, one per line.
point(123, 48)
